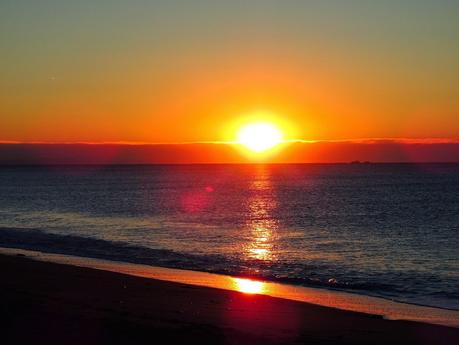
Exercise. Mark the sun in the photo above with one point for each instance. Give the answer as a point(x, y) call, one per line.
point(259, 136)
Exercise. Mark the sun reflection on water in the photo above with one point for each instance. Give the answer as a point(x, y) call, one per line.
point(261, 224)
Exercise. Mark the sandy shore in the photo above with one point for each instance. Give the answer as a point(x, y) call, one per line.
point(48, 303)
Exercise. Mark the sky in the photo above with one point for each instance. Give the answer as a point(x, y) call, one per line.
point(194, 71)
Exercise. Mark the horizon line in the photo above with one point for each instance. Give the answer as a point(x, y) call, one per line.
point(454, 140)
point(354, 163)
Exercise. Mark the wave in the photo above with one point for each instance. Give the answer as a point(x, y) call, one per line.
point(38, 240)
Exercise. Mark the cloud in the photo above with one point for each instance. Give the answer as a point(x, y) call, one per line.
point(374, 150)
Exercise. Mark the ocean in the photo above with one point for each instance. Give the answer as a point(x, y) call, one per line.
point(386, 230)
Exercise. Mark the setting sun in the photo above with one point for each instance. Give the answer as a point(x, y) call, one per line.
point(259, 136)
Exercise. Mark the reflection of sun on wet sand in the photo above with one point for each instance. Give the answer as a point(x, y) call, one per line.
point(248, 285)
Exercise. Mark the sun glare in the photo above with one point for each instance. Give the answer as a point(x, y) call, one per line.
point(259, 136)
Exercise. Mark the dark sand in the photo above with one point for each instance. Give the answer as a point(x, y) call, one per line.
point(47, 303)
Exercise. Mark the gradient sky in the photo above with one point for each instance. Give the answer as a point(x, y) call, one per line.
point(181, 71)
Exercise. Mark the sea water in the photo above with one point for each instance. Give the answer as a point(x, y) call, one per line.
point(388, 230)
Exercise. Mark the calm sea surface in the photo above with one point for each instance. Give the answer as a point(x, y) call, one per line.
point(380, 229)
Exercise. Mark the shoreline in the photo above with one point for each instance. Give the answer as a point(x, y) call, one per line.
point(125, 260)
point(336, 299)
point(51, 303)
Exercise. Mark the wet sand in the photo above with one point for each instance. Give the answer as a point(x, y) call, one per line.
point(49, 303)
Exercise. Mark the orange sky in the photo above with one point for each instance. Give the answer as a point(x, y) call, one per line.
point(171, 72)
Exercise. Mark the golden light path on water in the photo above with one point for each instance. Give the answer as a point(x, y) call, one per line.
point(261, 224)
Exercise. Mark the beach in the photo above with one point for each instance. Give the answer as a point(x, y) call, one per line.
point(229, 172)
point(51, 303)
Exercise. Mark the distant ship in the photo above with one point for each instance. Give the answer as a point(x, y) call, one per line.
point(359, 162)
